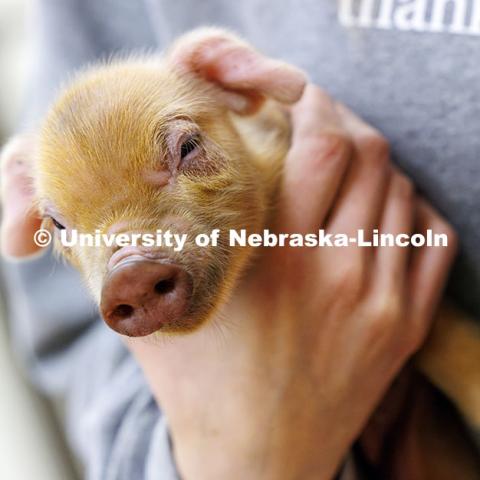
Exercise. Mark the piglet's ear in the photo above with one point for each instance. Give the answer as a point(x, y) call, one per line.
point(245, 76)
point(20, 220)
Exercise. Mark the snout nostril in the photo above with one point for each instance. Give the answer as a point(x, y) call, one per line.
point(142, 295)
point(122, 311)
point(165, 286)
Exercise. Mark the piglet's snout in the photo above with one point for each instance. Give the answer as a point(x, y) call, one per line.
point(141, 295)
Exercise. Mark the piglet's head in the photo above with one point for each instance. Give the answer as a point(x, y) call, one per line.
point(142, 145)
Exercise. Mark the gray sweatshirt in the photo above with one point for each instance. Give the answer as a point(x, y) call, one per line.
point(410, 68)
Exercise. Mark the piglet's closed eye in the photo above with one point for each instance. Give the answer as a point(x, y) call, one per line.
point(244, 75)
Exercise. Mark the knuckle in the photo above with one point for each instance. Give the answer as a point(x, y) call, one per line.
point(450, 232)
point(391, 321)
point(313, 94)
point(376, 147)
point(442, 227)
point(389, 324)
point(329, 146)
point(383, 320)
point(348, 280)
point(319, 92)
point(387, 308)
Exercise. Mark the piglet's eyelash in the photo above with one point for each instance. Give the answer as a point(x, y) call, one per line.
point(189, 145)
point(57, 224)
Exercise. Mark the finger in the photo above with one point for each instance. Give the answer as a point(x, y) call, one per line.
point(358, 128)
point(316, 163)
point(226, 60)
point(20, 221)
point(391, 261)
point(429, 267)
point(360, 202)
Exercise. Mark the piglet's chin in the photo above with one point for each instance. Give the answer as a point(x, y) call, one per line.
point(141, 296)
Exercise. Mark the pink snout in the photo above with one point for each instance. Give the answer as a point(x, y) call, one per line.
point(141, 295)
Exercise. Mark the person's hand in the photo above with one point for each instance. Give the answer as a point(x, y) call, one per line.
point(20, 220)
point(284, 380)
